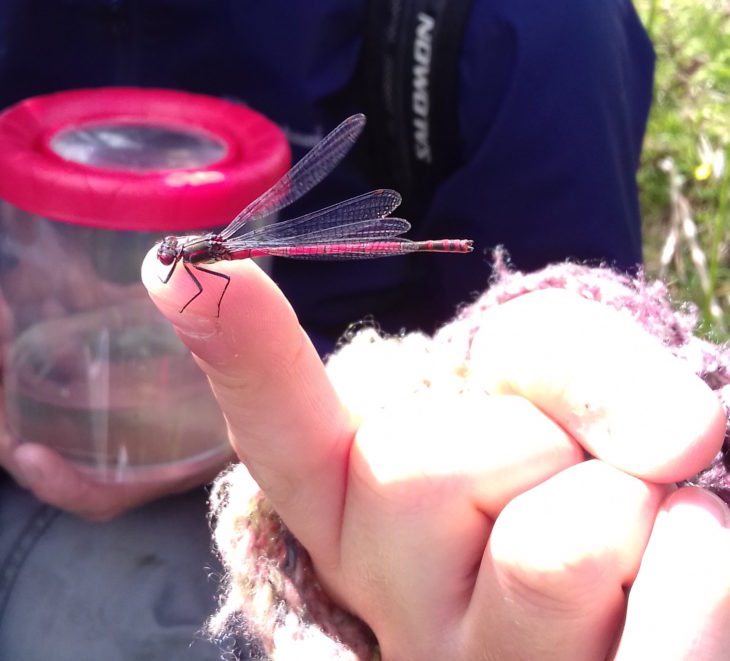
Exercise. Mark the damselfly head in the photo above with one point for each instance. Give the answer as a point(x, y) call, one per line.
point(168, 251)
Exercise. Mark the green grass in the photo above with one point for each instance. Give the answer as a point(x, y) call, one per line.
point(684, 186)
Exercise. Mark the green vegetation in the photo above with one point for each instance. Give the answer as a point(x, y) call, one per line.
point(685, 173)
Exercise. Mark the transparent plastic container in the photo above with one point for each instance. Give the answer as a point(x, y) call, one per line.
point(89, 181)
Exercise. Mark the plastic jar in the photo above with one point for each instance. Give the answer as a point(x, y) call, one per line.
point(89, 181)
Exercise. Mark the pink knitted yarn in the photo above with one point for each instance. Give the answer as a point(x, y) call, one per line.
point(273, 596)
point(271, 591)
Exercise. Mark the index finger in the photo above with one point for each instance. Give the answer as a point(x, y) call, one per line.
point(285, 421)
point(610, 384)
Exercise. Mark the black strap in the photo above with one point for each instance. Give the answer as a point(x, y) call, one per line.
point(411, 68)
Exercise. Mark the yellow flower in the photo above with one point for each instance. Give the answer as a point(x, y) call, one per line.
point(712, 161)
point(703, 171)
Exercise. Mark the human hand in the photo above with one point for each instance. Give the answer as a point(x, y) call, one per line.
point(56, 481)
point(471, 527)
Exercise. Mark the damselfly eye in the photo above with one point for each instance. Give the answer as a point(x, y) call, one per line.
point(167, 251)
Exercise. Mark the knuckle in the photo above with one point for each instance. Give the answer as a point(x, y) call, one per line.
point(399, 459)
point(540, 565)
point(553, 584)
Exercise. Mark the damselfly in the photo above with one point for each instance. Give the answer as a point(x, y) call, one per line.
point(358, 228)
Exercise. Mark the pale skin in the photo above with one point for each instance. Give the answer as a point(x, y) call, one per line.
point(57, 482)
point(473, 528)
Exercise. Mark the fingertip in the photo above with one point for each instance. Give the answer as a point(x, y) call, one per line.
point(30, 462)
point(224, 310)
point(48, 476)
point(692, 502)
point(151, 271)
point(668, 424)
point(172, 288)
point(705, 418)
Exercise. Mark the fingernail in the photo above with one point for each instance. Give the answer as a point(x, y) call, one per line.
point(194, 327)
point(718, 507)
point(706, 502)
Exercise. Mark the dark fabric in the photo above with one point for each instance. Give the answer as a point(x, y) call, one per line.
point(138, 588)
point(409, 69)
point(552, 104)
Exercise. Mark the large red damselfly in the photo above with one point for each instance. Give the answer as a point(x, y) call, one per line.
point(358, 228)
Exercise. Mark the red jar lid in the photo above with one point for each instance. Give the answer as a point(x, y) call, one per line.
point(137, 159)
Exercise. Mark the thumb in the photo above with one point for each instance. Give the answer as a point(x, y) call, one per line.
point(284, 419)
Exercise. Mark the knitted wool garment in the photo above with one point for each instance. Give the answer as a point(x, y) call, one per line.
point(271, 594)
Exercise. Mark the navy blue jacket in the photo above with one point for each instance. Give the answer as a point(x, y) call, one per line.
point(550, 106)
